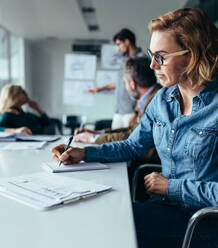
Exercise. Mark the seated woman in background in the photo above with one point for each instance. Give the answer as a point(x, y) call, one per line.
point(12, 98)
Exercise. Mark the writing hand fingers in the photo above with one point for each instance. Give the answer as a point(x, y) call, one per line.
point(58, 150)
point(76, 138)
point(55, 157)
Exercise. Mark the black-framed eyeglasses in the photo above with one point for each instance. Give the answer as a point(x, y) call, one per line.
point(160, 59)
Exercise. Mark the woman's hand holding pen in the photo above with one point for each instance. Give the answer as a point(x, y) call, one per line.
point(70, 156)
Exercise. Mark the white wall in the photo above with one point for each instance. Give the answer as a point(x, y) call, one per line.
point(47, 74)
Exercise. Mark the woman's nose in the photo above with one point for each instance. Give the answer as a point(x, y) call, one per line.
point(154, 65)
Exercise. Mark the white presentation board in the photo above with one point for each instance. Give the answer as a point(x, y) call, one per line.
point(110, 57)
point(80, 66)
point(76, 92)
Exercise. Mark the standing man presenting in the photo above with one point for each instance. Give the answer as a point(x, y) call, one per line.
point(125, 105)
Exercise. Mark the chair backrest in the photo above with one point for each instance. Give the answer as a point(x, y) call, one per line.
point(194, 220)
point(54, 127)
point(72, 121)
point(102, 124)
point(138, 190)
point(139, 195)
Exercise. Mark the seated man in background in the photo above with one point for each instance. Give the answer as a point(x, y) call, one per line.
point(12, 98)
point(141, 84)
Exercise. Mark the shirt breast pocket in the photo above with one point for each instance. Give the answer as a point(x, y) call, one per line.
point(158, 131)
point(200, 142)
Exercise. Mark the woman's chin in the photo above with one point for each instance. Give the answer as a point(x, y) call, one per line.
point(165, 83)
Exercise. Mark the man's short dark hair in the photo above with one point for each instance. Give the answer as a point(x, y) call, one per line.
point(138, 69)
point(125, 34)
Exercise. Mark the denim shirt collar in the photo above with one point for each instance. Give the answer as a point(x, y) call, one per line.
point(173, 93)
point(205, 95)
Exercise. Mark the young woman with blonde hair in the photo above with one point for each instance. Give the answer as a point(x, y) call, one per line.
point(12, 98)
point(182, 122)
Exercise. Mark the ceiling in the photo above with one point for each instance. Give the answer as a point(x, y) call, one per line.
point(62, 19)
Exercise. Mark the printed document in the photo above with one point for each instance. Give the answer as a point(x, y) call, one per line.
point(23, 146)
point(43, 190)
point(26, 137)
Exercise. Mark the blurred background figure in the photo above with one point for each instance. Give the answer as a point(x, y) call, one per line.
point(141, 85)
point(124, 110)
point(12, 99)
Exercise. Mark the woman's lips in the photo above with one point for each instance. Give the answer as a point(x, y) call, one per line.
point(160, 75)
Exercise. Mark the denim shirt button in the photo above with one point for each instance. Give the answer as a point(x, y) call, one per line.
point(200, 132)
point(168, 149)
point(172, 131)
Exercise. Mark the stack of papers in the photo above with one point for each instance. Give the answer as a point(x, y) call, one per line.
point(23, 146)
point(48, 138)
point(82, 166)
point(44, 191)
point(4, 136)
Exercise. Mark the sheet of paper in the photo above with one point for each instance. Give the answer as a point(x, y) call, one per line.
point(76, 92)
point(23, 145)
point(6, 135)
point(80, 66)
point(110, 57)
point(55, 168)
point(43, 190)
point(104, 77)
point(48, 138)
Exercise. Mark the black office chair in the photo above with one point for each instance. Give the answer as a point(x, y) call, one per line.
point(57, 125)
point(139, 195)
point(137, 188)
point(103, 124)
point(194, 220)
point(54, 127)
point(75, 121)
point(72, 122)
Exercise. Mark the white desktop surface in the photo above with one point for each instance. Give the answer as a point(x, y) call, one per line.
point(104, 221)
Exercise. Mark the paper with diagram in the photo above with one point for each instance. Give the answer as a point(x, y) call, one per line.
point(75, 92)
point(110, 57)
point(44, 191)
point(20, 145)
point(80, 66)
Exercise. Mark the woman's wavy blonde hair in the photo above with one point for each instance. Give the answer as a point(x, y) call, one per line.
point(195, 32)
point(9, 97)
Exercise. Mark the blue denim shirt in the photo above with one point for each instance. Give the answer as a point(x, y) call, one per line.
point(187, 145)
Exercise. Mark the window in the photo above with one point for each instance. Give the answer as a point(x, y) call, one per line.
point(4, 62)
point(16, 59)
point(11, 58)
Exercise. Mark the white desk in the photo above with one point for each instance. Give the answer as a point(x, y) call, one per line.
point(104, 221)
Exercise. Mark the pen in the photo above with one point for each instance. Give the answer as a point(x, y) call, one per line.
point(81, 126)
point(68, 145)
